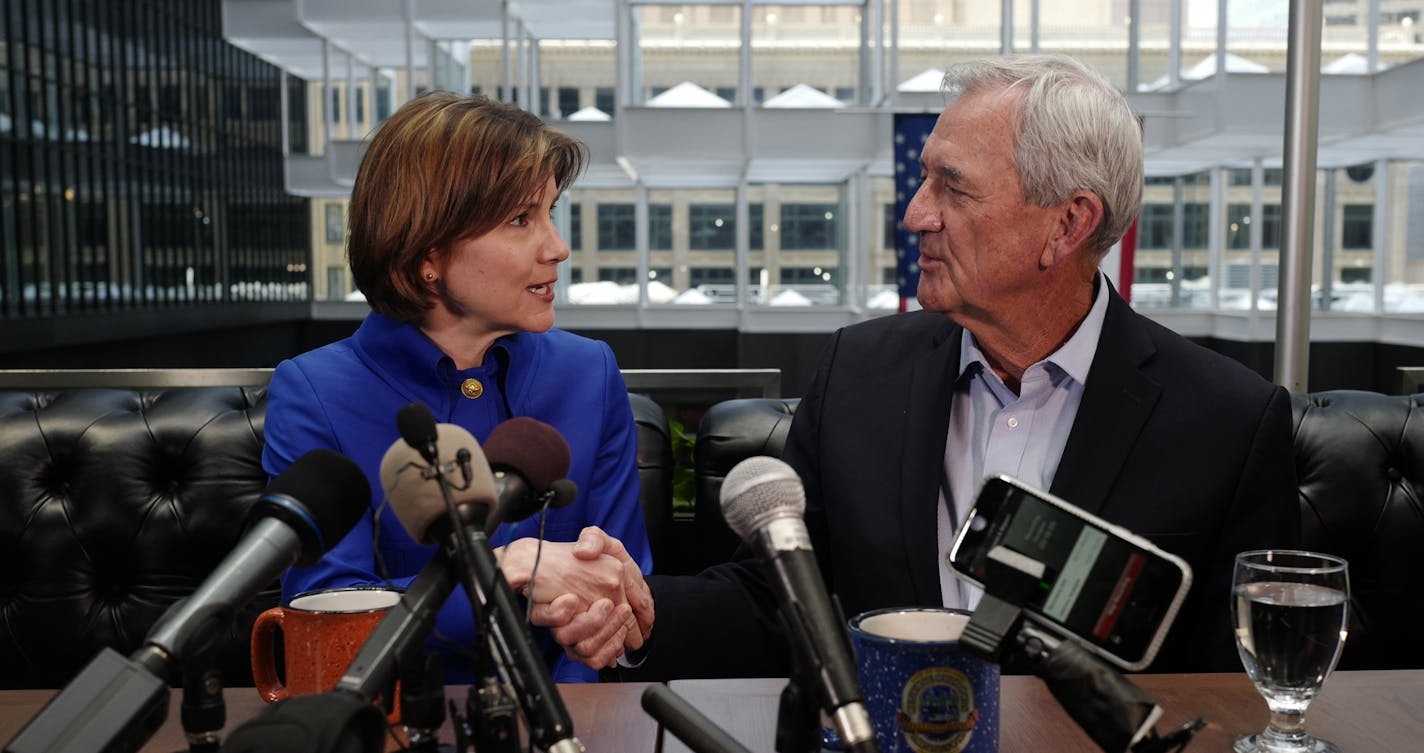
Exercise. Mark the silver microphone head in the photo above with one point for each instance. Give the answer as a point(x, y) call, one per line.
point(758, 490)
point(416, 499)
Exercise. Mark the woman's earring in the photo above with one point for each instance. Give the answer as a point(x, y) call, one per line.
point(430, 276)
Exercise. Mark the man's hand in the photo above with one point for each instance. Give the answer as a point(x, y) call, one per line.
point(597, 624)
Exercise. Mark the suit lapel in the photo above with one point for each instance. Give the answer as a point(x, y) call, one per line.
point(926, 428)
point(1117, 401)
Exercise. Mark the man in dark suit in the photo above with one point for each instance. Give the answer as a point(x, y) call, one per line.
point(1024, 361)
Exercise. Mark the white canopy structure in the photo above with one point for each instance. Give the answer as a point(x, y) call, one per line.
point(687, 94)
point(803, 96)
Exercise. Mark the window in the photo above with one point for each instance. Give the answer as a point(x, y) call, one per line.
point(603, 99)
point(807, 276)
point(1238, 226)
point(889, 223)
point(620, 275)
point(568, 101)
point(335, 283)
point(712, 227)
point(845, 94)
point(1154, 227)
point(575, 238)
point(728, 93)
point(756, 226)
point(660, 227)
point(335, 105)
point(615, 229)
point(1195, 224)
point(1357, 226)
point(807, 227)
point(335, 225)
point(711, 276)
point(1271, 226)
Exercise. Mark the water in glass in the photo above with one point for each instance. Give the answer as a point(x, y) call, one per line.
point(1290, 610)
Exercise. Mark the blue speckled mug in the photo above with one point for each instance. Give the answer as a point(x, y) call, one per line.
point(923, 693)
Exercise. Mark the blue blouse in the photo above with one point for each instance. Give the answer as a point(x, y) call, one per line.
point(344, 397)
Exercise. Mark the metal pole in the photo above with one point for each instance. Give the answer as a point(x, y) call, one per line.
point(1033, 26)
point(1174, 45)
point(1134, 44)
point(1372, 20)
point(1006, 28)
point(1298, 194)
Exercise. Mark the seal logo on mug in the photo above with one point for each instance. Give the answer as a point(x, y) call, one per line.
point(924, 694)
point(937, 713)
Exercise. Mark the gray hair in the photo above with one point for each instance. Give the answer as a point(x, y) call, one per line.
point(1074, 131)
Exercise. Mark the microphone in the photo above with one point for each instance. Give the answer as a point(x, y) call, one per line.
point(688, 724)
point(116, 703)
point(529, 459)
point(417, 427)
point(456, 450)
point(763, 501)
point(423, 511)
point(416, 504)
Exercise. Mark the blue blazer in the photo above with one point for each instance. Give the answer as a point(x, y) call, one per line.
point(345, 396)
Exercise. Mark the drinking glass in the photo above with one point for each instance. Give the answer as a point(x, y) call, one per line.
point(1289, 608)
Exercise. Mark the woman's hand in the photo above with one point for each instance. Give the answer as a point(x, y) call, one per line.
point(592, 596)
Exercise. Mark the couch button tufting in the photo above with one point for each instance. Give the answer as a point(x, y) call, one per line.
point(1393, 473)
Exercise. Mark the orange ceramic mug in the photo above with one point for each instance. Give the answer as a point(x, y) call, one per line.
point(322, 631)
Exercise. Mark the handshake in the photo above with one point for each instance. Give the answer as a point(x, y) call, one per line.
point(589, 593)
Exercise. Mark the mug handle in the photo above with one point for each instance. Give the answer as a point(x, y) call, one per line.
point(264, 656)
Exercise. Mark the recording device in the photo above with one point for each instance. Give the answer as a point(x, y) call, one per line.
point(1064, 591)
point(427, 516)
point(763, 501)
point(529, 459)
point(1073, 572)
point(116, 703)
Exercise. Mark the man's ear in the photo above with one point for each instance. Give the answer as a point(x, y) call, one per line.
point(1077, 220)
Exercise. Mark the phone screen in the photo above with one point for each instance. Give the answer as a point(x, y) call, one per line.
point(1109, 590)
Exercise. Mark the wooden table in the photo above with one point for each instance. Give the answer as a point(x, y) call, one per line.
point(607, 718)
point(1361, 712)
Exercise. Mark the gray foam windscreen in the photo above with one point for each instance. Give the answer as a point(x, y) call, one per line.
point(760, 489)
point(416, 501)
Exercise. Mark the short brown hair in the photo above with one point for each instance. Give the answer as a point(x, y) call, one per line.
point(443, 168)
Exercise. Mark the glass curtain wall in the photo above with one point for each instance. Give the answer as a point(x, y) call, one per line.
point(142, 162)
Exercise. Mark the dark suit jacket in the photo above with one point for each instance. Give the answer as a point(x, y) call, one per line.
point(1172, 441)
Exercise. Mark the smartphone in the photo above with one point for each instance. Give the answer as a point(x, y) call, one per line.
point(1071, 571)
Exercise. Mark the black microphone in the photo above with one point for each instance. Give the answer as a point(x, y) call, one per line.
point(417, 427)
point(116, 703)
point(529, 459)
point(763, 501)
point(423, 511)
point(687, 723)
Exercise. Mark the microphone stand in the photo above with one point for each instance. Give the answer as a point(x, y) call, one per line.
point(203, 712)
point(1116, 714)
point(798, 718)
point(507, 640)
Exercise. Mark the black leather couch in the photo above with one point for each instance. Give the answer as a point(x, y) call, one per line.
point(1360, 468)
point(115, 503)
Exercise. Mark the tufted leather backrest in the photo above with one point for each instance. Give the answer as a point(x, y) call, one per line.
point(730, 432)
point(655, 467)
point(113, 504)
point(1360, 467)
point(116, 503)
